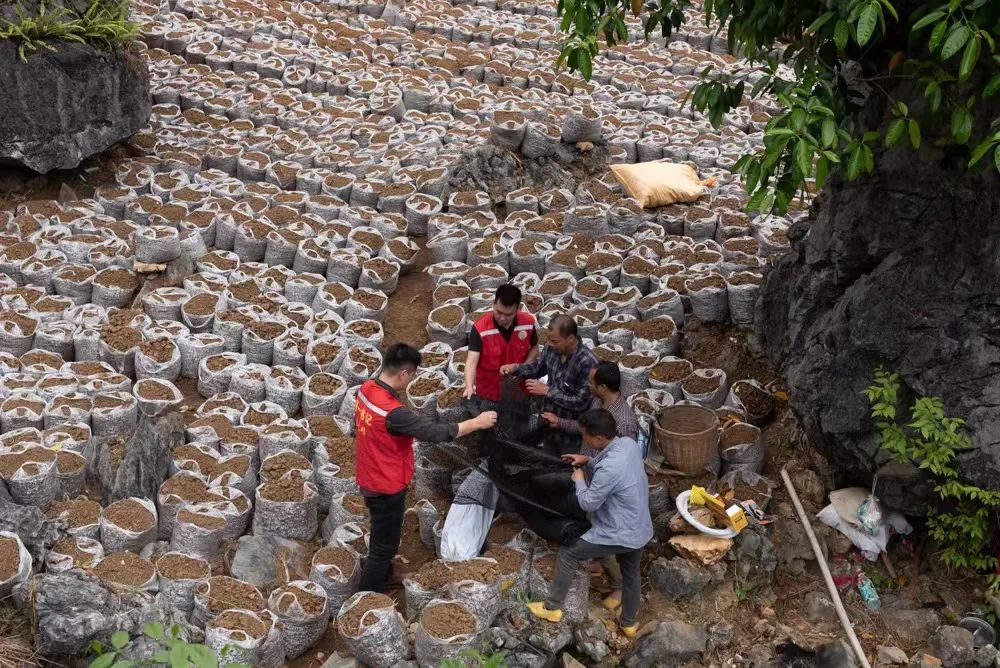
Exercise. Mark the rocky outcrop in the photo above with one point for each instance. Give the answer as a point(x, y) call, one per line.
point(900, 268)
point(65, 105)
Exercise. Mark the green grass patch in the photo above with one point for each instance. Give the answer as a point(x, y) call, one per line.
point(105, 25)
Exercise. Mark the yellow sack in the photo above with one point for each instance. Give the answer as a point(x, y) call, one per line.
point(654, 184)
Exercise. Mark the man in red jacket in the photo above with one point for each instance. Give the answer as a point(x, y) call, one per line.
point(385, 430)
point(505, 336)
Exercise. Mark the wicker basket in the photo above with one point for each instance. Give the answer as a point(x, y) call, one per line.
point(688, 437)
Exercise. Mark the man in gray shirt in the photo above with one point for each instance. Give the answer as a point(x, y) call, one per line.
point(617, 500)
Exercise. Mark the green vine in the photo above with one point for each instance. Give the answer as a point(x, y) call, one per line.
point(175, 652)
point(104, 25)
point(960, 517)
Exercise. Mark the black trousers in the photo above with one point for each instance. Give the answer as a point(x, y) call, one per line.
point(386, 511)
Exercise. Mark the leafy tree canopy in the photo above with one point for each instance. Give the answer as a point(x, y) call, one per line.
point(852, 76)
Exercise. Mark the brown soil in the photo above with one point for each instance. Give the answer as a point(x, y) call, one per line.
point(340, 557)
point(756, 400)
point(129, 515)
point(156, 391)
point(311, 603)
point(87, 369)
point(614, 325)
point(707, 282)
point(117, 278)
point(738, 434)
point(202, 520)
point(20, 251)
point(276, 466)
point(351, 622)
point(554, 287)
point(748, 246)
point(355, 505)
point(30, 460)
point(285, 489)
point(219, 362)
point(637, 360)
point(341, 452)
point(607, 354)
point(70, 548)
point(382, 267)
point(602, 260)
point(370, 239)
point(41, 357)
point(446, 292)
point(29, 404)
point(696, 384)
point(745, 278)
point(10, 558)
point(76, 273)
point(324, 426)
point(324, 384)
point(325, 351)
point(245, 291)
point(449, 316)
point(451, 397)
point(426, 386)
point(126, 568)
point(204, 461)
point(671, 371)
point(447, 620)
point(121, 338)
point(202, 304)
point(240, 621)
point(638, 266)
point(78, 513)
point(68, 462)
point(267, 331)
point(591, 289)
point(365, 329)
point(161, 350)
point(226, 593)
point(369, 299)
point(430, 360)
point(176, 566)
point(508, 559)
point(437, 574)
point(654, 330)
point(25, 324)
point(256, 418)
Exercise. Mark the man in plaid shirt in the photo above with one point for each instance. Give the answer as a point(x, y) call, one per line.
point(567, 363)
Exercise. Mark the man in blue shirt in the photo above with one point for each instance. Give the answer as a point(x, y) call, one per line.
point(617, 500)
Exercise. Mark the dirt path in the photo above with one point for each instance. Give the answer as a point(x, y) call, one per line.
point(406, 320)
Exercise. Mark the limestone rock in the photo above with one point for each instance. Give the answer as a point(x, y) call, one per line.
point(911, 625)
point(706, 550)
point(884, 276)
point(890, 656)
point(986, 657)
point(592, 639)
point(793, 548)
point(920, 660)
point(668, 643)
point(147, 457)
point(953, 645)
point(569, 662)
point(37, 532)
point(754, 558)
point(66, 105)
point(678, 578)
point(760, 656)
point(817, 608)
point(809, 487)
point(720, 634)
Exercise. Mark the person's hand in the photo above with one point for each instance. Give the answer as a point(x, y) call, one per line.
point(508, 369)
point(469, 391)
point(579, 475)
point(537, 388)
point(551, 419)
point(486, 420)
point(576, 460)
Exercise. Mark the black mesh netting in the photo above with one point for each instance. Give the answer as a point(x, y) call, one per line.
point(532, 480)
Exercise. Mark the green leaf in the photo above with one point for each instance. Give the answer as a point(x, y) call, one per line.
point(957, 38)
point(119, 639)
point(854, 163)
point(992, 87)
point(586, 66)
point(926, 21)
point(803, 157)
point(822, 168)
point(895, 132)
point(902, 108)
point(913, 128)
point(828, 132)
point(124, 664)
point(104, 660)
point(841, 33)
point(866, 24)
point(969, 58)
point(153, 630)
point(178, 656)
point(937, 35)
point(996, 158)
point(819, 22)
point(961, 125)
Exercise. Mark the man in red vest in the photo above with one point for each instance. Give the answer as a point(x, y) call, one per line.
point(503, 337)
point(385, 430)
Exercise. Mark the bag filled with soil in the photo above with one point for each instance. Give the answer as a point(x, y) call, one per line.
point(741, 447)
point(669, 373)
point(753, 399)
point(286, 508)
point(128, 525)
point(445, 630)
point(284, 386)
point(155, 397)
point(15, 563)
point(73, 552)
point(30, 473)
point(198, 529)
point(216, 371)
point(242, 636)
point(706, 387)
point(709, 298)
point(336, 569)
point(178, 575)
point(447, 324)
point(374, 632)
point(366, 303)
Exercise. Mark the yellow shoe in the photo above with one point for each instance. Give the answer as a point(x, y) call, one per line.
point(630, 631)
point(612, 602)
point(539, 610)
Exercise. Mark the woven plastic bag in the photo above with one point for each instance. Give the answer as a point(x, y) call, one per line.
point(656, 184)
point(119, 539)
point(179, 591)
point(294, 519)
point(336, 569)
point(301, 607)
point(23, 568)
point(379, 639)
point(430, 650)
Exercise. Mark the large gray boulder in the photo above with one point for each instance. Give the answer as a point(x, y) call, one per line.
point(65, 105)
point(899, 268)
point(146, 461)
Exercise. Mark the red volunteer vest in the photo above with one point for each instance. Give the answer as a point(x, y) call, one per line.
point(384, 462)
point(497, 352)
